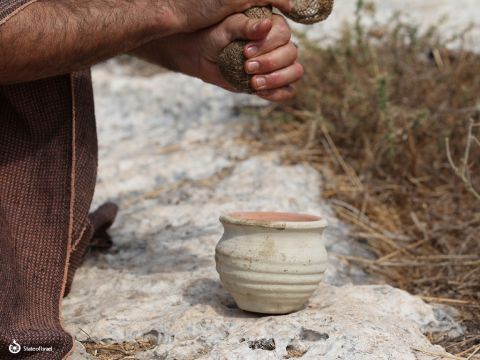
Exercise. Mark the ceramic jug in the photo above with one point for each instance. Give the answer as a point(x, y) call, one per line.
point(271, 262)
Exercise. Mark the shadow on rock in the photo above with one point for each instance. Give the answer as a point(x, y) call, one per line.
point(212, 293)
point(167, 250)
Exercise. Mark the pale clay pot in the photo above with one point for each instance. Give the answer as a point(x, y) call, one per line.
point(271, 263)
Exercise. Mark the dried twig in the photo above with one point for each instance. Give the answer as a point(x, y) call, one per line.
point(463, 171)
point(439, 355)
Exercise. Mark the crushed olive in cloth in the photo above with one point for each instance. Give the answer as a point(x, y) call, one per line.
point(48, 163)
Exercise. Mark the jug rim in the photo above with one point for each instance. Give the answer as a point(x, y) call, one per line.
point(274, 219)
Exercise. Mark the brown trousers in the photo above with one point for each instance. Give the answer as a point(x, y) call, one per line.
point(48, 160)
point(48, 163)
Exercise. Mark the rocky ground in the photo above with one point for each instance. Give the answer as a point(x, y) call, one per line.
point(172, 157)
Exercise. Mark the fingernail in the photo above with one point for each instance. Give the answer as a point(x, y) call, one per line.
point(252, 50)
point(253, 66)
point(257, 25)
point(260, 82)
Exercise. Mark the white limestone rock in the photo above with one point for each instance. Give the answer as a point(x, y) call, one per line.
point(79, 352)
point(170, 155)
point(160, 277)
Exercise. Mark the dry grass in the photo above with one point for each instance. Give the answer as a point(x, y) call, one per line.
point(123, 351)
point(102, 350)
point(396, 116)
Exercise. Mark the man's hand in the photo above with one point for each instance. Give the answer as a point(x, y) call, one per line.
point(272, 57)
point(199, 14)
point(50, 37)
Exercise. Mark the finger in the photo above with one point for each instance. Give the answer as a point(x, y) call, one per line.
point(277, 59)
point(277, 79)
point(278, 95)
point(240, 26)
point(279, 35)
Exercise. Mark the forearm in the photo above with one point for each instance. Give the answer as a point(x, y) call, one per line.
point(55, 37)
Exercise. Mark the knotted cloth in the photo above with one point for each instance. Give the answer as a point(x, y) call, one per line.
point(48, 162)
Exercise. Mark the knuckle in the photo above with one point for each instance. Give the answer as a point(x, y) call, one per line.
point(267, 64)
point(284, 35)
point(241, 21)
point(299, 70)
point(282, 29)
point(293, 49)
point(291, 53)
point(285, 32)
point(275, 80)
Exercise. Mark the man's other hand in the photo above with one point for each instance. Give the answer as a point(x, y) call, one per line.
point(195, 15)
point(271, 56)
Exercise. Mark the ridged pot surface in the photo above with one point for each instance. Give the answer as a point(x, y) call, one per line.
point(270, 265)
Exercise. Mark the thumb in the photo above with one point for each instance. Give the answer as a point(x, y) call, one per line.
point(235, 27)
point(240, 27)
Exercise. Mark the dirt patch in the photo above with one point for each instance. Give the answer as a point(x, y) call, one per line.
point(262, 344)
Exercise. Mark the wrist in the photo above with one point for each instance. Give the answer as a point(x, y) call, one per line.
point(181, 54)
point(172, 52)
point(161, 18)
